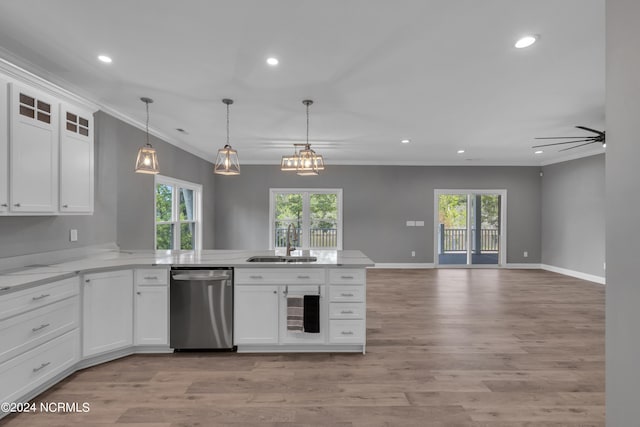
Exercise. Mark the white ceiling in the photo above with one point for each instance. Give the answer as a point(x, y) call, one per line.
point(443, 73)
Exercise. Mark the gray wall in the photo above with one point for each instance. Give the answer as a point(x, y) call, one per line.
point(623, 207)
point(378, 200)
point(573, 215)
point(123, 199)
point(135, 220)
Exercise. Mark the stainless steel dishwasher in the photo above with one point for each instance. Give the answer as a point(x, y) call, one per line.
point(201, 309)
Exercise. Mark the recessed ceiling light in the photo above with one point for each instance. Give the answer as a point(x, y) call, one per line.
point(539, 152)
point(105, 59)
point(405, 141)
point(460, 151)
point(273, 61)
point(526, 41)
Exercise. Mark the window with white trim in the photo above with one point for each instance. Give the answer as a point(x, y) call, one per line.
point(178, 206)
point(316, 215)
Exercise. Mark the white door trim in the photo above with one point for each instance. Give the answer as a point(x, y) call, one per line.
point(502, 259)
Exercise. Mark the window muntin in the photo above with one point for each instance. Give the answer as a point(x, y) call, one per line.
point(315, 213)
point(178, 206)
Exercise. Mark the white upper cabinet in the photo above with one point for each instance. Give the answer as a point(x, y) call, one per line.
point(76, 160)
point(33, 148)
point(4, 146)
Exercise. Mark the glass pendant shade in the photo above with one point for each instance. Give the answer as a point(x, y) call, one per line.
point(227, 162)
point(147, 161)
point(306, 161)
point(309, 163)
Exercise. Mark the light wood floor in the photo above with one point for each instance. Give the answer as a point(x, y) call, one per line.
point(492, 348)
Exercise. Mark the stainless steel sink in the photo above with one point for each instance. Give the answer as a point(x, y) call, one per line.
point(267, 258)
point(301, 259)
point(278, 258)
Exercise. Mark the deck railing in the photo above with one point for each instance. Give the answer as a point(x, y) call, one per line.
point(318, 237)
point(455, 239)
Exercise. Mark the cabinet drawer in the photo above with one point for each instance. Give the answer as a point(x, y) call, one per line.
point(345, 310)
point(280, 276)
point(347, 293)
point(151, 276)
point(346, 331)
point(31, 369)
point(39, 296)
point(26, 331)
point(345, 276)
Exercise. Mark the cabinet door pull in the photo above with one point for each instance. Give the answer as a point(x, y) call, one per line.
point(139, 293)
point(275, 292)
point(347, 332)
point(65, 206)
point(4, 205)
point(40, 327)
point(16, 205)
point(6, 288)
point(346, 277)
point(151, 278)
point(255, 277)
point(87, 280)
point(44, 365)
point(40, 297)
point(346, 312)
point(346, 295)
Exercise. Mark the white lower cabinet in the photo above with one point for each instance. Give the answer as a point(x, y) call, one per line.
point(107, 312)
point(255, 314)
point(26, 372)
point(151, 318)
point(40, 337)
point(260, 309)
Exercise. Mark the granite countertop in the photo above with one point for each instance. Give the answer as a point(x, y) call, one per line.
point(15, 279)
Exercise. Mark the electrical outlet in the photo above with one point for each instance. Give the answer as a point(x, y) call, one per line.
point(413, 253)
point(73, 235)
point(525, 254)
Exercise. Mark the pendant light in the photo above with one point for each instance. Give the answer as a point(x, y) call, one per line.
point(227, 162)
point(305, 162)
point(147, 160)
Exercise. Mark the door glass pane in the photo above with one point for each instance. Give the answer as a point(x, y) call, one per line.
point(323, 209)
point(452, 229)
point(185, 207)
point(288, 211)
point(486, 229)
point(164, 236)
point(163, 202)
point(187, 236)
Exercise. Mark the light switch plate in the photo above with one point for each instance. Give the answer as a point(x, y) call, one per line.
point(73, 235)
point(411, 223)
point(419, 223)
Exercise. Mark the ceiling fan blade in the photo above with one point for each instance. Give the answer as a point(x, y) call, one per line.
point(566, 142)
point(590, 130)
point(581, 145)
point(566, 137)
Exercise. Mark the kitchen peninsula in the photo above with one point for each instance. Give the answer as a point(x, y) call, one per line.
point(61, 317)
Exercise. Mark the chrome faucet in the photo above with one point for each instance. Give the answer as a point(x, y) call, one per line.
point(295, 237)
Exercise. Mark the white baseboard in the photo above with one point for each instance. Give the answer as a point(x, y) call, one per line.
point(573, 273)
point(403, 265)
point(523, 265)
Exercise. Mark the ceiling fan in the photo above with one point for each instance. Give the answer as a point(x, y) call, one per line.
point(586, 139)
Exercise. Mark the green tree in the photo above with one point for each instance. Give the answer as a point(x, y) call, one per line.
point(452, 210)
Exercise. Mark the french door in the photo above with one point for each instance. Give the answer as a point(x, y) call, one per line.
point(470, 228)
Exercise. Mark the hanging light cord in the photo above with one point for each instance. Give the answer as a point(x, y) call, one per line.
point(147, 103)
point(227, 124)
point(307, 125)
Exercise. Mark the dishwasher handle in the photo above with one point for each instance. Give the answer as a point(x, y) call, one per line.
point(207, 276)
